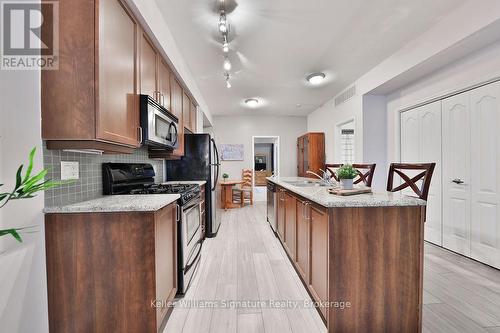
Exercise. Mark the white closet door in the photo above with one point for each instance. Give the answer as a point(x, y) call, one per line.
point(430, 151)
point(410, 136)
point(485, 181)
point(456, 166)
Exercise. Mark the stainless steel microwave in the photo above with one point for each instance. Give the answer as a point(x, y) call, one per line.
point(158, 126)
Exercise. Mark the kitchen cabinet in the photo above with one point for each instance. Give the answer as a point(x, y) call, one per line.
point(310, 154)
point(318, 269)
point(281, 214)
point(164, 84)
point(176, 99)
point(91, 101)
point(148, 67)
point(192, 117)
point(303, 244)
point(121, 261)
point(186, 111)
point(337, 248)
point(290, 224)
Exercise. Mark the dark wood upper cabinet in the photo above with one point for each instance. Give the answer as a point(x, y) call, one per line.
point(148, 67)
point(91, 101)
point(164, 84)
point(192, 117)
point(310, 154)
point(186, 110)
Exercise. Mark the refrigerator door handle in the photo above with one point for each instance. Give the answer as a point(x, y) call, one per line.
point(217, 164)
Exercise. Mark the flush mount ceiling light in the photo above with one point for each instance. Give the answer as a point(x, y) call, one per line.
point(316, 78)
point(225, 47)
point(252, 102)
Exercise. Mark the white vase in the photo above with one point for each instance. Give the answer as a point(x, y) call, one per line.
point(346, 184)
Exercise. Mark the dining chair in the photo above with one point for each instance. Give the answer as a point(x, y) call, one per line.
point(244, 194)
point(332, 169)
point(365, 173)
point(425, 176)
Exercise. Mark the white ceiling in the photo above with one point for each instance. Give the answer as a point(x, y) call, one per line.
point(276, 43)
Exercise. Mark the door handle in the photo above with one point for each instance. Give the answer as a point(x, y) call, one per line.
point(458, 181)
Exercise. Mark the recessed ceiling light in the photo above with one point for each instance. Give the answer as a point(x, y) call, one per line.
point(252, 102)
point(316, 78)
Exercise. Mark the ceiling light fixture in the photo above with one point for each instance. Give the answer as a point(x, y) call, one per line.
point(223, 25)
point(228, 83)
point(227, 65)
point(316, 78)
point(225, 47)
point(252, 102)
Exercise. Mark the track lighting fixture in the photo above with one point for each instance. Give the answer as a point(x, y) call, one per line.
point(223, 24)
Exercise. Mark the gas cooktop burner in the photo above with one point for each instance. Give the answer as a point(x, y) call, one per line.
point(187, 191)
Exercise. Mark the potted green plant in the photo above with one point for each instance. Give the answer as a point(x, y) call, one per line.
point(26, 187)
point(225, 176)
point(346, 174)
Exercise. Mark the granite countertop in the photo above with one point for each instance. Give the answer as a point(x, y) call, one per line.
point(320, 195)
point(198, 182)
point(118, 203)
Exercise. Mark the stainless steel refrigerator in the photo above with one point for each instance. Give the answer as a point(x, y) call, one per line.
point(200, 162)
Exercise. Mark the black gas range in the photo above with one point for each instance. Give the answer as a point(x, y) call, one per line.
point(138, 178)
point(186, 191)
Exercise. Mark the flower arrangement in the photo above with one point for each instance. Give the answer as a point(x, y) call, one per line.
point(346, 174)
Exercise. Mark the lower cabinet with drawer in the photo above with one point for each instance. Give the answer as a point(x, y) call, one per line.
point(111, 272)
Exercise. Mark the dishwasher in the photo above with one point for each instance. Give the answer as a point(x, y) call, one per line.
point(271, 205)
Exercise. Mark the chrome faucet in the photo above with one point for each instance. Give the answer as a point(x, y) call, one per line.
point(326, 179)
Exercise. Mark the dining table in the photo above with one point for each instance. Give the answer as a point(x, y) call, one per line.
point(227, 194)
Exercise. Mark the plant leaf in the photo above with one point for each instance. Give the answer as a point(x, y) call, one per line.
point(12, 232)
point(30, 166)
point(18, 177)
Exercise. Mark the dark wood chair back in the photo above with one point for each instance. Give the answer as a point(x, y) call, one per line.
point(425, 176)
point(332, 169)
point(365, 173)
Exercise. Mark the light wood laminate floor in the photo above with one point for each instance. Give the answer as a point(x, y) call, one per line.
point(245, 263)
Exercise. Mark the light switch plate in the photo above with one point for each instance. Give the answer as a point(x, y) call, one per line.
point(70, 170)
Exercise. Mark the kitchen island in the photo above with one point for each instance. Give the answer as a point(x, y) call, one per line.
point(360, 257)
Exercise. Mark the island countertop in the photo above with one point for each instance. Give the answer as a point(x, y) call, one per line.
point(117, 203)
point(319, 194)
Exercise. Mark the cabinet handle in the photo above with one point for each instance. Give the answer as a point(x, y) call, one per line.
point(458, 181)
point(308, 216)
point(178, 212)
point(140, 135)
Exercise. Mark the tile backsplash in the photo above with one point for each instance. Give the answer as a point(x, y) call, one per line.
point(89, 186)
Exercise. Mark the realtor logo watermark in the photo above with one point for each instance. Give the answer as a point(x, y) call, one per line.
point(29, 35)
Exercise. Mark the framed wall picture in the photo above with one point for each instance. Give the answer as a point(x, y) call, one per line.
point(231, 152)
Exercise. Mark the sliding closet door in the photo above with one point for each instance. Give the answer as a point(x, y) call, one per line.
point(485, 179)
point(430, 151)
point(456, 173)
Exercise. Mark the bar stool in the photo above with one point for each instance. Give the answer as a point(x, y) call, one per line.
point(332, 169)
point(365, 173)
point(425, 176)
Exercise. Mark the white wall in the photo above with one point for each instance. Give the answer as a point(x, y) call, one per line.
point(23, 296)
point(240, 129)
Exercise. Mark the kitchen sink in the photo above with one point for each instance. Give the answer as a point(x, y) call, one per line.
point(303, 183)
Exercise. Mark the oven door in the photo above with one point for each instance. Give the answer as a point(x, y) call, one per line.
point(191, 231)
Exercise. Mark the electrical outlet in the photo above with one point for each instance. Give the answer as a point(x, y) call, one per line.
point(70, 170)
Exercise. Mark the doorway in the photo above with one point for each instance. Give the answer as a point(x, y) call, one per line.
point(265, 159)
